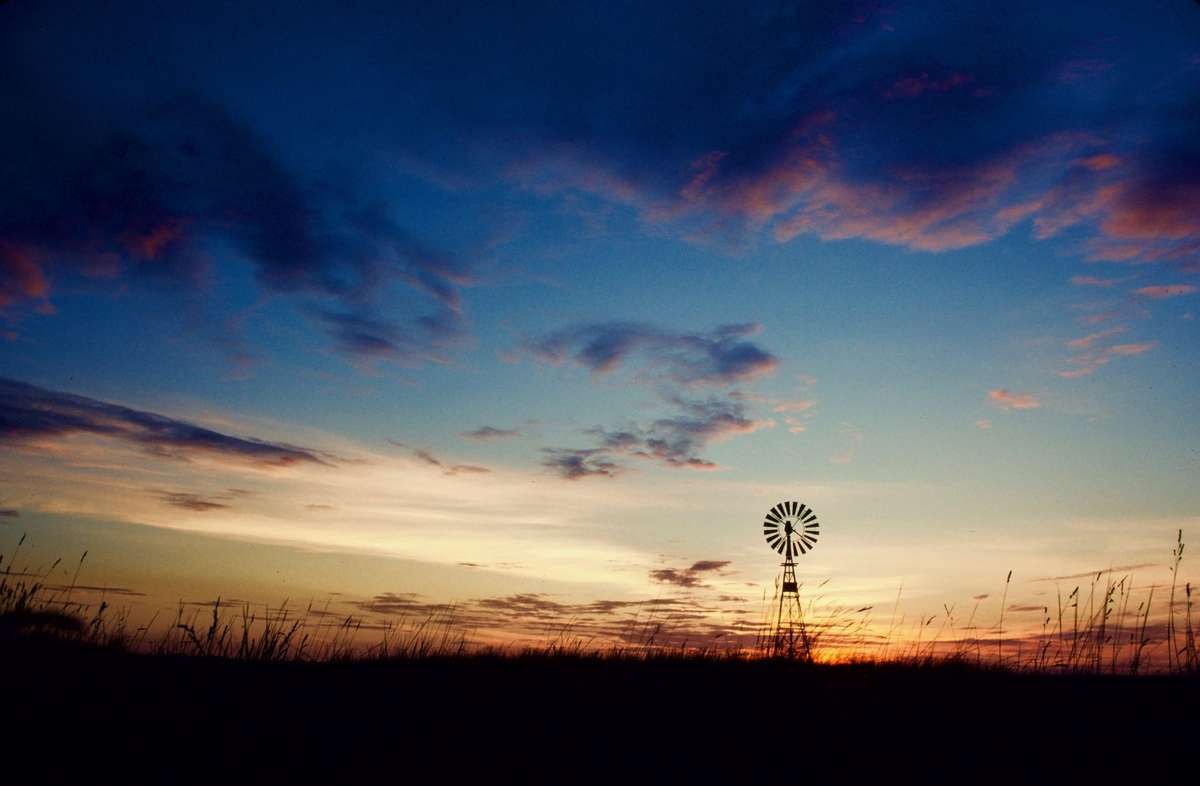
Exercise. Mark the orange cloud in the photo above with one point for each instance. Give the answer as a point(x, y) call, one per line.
point(1166, 291)
point(1006, 400)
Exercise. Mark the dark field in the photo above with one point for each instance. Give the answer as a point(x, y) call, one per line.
point(78, 714)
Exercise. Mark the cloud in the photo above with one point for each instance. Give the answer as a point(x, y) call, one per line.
point(31, 415)
point(1092, 281)
point(1090, 361)
point(490, 433)
point(680, 578)
point(1092, 338)
point(1100, 572)
point(799, 405)
point(425, 456)
point(717, 358)
point(688, 577)
point(193, 502)
point(143, 199)
point(1005, 400)
point(674, 441)
point(1168, 290)
point(853, 437)
point(9, 513)
point(908, 87)
point(983, 423)
point(576, 464)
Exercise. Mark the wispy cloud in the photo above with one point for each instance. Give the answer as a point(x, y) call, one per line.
point(140, 199)
point(852, 436)
point(30, 415)
point(426, 456)
point(192, 502)
point(721, 357)
point(1093, 281)
point(576, 464)
point(1088, 362)
point(675, 441)
point(1086, 341)
point(1005, 400)
point(490, 433)
point(688, 577)
point(1166, 291)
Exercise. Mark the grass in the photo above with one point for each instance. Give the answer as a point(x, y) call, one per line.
point(231, 693)
point(1097, 629)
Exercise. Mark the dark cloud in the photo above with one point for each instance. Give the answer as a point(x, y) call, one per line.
point(681, 578)
point(688, 577)
point(427, 457)
point(575, 464)
point(369, 337)
point(1100, 572)
point(674, 442)
point(721, 357)
point(146, 198)
point(926, 127)
point(666, 620)
point(9, 513)
point(91, 589)
point(706, 565)
point(193, 502)
point(29, 414)
point(490, 433)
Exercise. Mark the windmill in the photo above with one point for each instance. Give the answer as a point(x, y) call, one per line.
point(791, 529)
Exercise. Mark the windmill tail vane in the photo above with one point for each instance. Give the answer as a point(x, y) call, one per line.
point(791, 529)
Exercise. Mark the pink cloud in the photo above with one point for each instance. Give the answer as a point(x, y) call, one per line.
point(1096, 319)
point(1166, 291)
point(983, 423)
point(21, 275)
point(1089, 362)
point(907, 87)
point(1087, 341)
point(1131, 349)
point(1092, 281)
point(1100, 162)
point(1006, 400)
point(800, 405)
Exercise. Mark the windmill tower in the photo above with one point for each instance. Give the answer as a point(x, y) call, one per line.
point(791, 529)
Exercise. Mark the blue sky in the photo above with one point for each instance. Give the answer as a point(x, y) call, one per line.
point(933, 270)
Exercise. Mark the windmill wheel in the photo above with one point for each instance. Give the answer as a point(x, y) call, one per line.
point(791, 528)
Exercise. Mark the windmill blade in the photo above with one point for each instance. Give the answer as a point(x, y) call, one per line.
point(791, 528)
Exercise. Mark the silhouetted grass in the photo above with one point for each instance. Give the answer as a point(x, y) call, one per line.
point(1091, 631)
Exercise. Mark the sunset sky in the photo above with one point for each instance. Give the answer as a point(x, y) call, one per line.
point(538, 309)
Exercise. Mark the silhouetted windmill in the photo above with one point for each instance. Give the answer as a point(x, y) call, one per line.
point(790, 528)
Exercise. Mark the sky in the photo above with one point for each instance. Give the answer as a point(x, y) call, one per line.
point(535, 310)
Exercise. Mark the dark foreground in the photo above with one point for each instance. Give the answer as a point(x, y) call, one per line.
point(76, 715)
